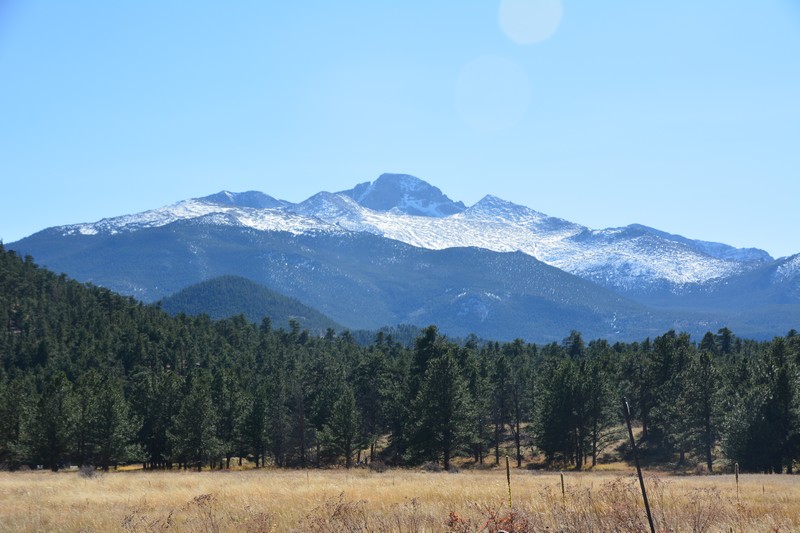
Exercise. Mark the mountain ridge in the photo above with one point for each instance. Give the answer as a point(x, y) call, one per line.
point(652, 280)
point(634, 259)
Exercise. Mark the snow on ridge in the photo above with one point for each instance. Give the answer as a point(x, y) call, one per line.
point(491, 208)
point(789, 268)
point(206, 212)
point(186, 209)
point(613, 257)
point(535, 234)
point(634, 260)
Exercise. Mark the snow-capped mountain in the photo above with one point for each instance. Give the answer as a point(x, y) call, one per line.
point(407, 194)
point(398, 250)
point(633, 259)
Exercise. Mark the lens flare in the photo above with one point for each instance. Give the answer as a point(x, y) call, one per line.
point(529, 21)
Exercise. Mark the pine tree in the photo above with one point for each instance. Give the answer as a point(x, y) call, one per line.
point(762, 429)
point(520, 384)
point(670, 357)
point(371, 388)
point(256, 427)
point(193, 433)
point(601, 405)
point(227, 399)
point(442, 407)
point(476, 375)
point(115, 427)
point(49, 432)
point(428, 346)
point(342, 435)
point(556, 418)
point(700, 401)
point(501, 378)
point(16, 404)
point(155, 400)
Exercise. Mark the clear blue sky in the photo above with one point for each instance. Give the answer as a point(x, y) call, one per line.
point(681, 115)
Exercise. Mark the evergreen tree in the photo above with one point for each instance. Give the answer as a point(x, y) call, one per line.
point(279, 423)
point(428, 346)
point(156, 398)
point(442, 425)
point(87, 404)
point(501, 379)
point(476, 373)
point(371, 388)
point(115, 427)
point(701, 403)
point(255, 434)
point(105, 428)
point(668, 425)
point(16, 404)
point(193, 433)
point(556, 416)
point(763, 426)
point(520, 384)
point(227, 397)
point(49, 431)
point(342, 435)
point(636, 382)
point(601, 405)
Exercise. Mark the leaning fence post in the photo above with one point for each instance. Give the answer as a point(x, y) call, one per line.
point(627, 410)
point(508, 480)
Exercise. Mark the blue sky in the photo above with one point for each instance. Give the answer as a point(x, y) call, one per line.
point(680, 115)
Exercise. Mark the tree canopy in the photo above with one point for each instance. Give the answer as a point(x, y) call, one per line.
point(88, 377)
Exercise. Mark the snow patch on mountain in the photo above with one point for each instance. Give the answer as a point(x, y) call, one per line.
point(724, 251)
point(616, 258)
point(204, 212)
point(413, 212)
point(789, 268)
point(623, 258)
point(184, 210)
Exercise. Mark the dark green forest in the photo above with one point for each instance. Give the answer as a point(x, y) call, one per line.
point(88, 377)
point(226, 296)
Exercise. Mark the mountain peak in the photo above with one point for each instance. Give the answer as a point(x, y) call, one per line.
point(407, 194)
point(253, 199)
point(491, 202)
point(326, 206)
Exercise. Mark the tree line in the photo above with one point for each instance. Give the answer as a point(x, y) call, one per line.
point(88, 377)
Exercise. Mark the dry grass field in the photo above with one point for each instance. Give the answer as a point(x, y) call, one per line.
point(395, 500)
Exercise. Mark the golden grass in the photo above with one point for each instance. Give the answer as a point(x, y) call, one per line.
point(396, 500)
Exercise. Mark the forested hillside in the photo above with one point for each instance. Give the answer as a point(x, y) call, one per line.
point(227, 296)
point(91, 378)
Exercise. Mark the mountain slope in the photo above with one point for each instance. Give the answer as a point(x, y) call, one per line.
point(361, 281)
point(226, 296)
point(362, 266)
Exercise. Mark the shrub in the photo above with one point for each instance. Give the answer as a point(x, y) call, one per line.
point(88, 471)
point(431, 466)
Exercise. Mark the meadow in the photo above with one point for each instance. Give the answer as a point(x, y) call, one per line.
point(396, 500)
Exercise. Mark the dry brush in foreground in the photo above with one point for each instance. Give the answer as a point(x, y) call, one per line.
point(400, 500)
